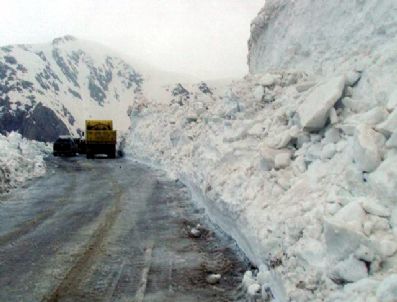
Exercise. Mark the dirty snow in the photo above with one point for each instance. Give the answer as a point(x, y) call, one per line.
point(20, 160)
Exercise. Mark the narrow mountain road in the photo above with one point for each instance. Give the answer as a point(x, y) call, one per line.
point(110, 230)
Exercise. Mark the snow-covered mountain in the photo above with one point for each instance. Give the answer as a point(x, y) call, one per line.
point(51, 89)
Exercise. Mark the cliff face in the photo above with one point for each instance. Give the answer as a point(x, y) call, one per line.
point(345, 53)
point(322, 36)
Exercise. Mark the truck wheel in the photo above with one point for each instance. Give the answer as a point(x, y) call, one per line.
point(112, 153)
point(90, 155)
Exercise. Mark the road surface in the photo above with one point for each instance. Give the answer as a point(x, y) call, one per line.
point(110, 230)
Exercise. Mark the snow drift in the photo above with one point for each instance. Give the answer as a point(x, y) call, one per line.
point(297, 160)
point(20, 160)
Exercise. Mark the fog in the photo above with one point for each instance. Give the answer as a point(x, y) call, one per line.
point(203, 38)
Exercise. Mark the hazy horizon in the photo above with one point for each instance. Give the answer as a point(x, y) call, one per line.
point(203, 39)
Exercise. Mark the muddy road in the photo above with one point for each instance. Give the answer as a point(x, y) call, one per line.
point(111, 230)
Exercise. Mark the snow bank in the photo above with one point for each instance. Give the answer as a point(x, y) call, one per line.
point(297, 161)
point(302, 204)
point(20, 160)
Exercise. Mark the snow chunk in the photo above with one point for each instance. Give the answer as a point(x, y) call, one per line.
point(213, 278)
point(350, 270)
point(280, 141)
point(342, 240)
point(351, 215)
point(304, 86)
point(248, 279)
point(372, 207)
point(254, 289)
point(372, 117)
point(195, 233)
point(392, 141)
point(259, 91)
point(328, 151)
point(384, 179)
point(387, 248)
point(332, 135)
point(389, 125)
point(365, 149)
point(268, 79)
point(353, 77)
point(282, 160)
point(392, 103)
point(314, 111)
point(387, 290)
point(333, 116)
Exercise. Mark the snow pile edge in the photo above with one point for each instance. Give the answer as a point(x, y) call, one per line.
point(20, 160)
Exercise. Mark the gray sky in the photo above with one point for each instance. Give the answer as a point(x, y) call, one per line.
point(205, 38)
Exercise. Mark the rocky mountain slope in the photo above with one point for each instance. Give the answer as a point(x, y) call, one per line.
point(50, 89)
point(297, 161)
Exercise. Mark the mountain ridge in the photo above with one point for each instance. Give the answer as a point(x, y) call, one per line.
point(72, 80)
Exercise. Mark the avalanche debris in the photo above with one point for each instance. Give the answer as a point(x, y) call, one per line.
point(297, 161)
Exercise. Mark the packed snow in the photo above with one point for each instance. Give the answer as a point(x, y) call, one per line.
point(298, 160)
point(20, 160)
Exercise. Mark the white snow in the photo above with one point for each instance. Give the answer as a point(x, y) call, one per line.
point(296, 202)
point(389, 126)
point(297, 161)
point(213, 278)
point(367, 143)
point(314, 111)
point(350, 270)
point(387, 290)
point(20, 160)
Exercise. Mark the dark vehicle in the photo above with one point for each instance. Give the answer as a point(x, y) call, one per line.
point(65, 145)
point(81, 145)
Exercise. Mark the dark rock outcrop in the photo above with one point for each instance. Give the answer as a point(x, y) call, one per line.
point(43, 125)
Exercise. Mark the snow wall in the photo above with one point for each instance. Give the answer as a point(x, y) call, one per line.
point(20, 160)
point(298, 160)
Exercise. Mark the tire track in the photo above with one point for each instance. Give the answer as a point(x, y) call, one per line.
point(140, 294)
point(26, 227)
point(69, 287)
point(30, 225)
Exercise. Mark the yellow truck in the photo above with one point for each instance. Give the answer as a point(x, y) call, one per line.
point(100, 138)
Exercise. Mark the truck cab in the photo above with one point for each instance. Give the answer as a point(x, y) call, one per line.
point(100, 138)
